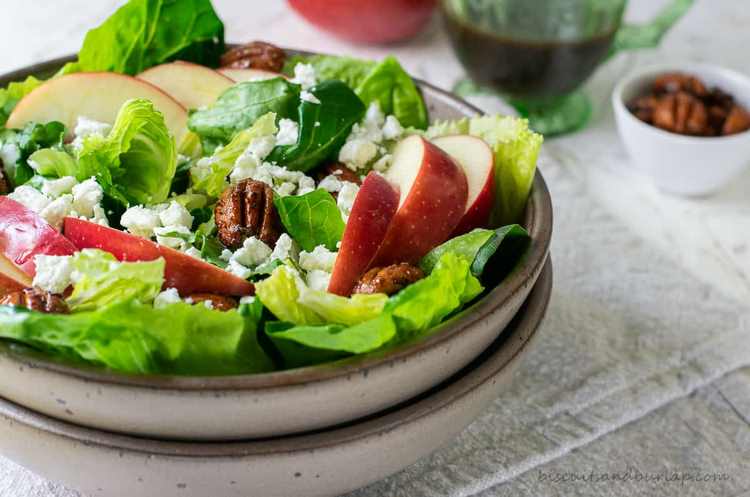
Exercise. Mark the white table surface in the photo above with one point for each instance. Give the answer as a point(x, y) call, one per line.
point(707, 425)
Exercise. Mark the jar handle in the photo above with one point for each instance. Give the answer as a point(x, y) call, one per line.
point(648, 35)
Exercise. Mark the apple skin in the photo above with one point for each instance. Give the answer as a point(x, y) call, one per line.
point(242, 75)
point(193, 86)
point(433, 191)
point(24, 235)
point(367, 21)
point(372, 212)
point(478, 162)
point(183, 272)
point(12, 279)
point(98, 96)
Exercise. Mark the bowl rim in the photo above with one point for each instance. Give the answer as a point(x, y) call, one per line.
point(651, 71)
point(523, 332)
point(538, 220)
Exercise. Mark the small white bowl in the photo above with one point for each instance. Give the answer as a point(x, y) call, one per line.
point(684, 165)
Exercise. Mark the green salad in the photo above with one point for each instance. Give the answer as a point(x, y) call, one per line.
point(171, 205)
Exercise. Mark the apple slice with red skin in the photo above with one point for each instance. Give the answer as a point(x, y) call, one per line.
point(478, 162)
point(24, 235)
point(372, 212)
point(242, 75)
point(433, 200)
point(12, 279)
point(183, 272)
point(193, 86)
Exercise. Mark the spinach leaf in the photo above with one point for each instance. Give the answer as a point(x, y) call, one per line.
point(32, 138)
point(323, 127)
point(144, 33)
point(312, 219)
point(347, 69)
point(241, 105)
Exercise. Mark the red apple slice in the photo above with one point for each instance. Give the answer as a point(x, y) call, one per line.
point(12, 278)
point(183, 272)
point(433, 199)
point(191, 85)
point(97, 96)
point(373, 209)
point(242, 75)
point(24, 235)
point(478, 162)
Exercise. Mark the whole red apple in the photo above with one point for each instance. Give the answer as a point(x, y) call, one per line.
point(367, 21)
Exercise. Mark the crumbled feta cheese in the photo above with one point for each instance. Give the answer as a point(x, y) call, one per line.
point(56, 187)
point(30, 197)
point(53, 272)
point(357, 153)
point(320, 258)
point(252, 253)
point(140, 221)
point(331, 183)
point(318, 280)
point(176, 215)
point(346, 197)
point(392, 129)
point(166, 298)
point(57, 210)
point(306, 96)
point(194, 252)
point(286, 189)
point(306, 185)
point(208, 304)
point(249, 299)
point(285, 249)
point(100, 217)
point(381, 165)
point(239, 270)
point(374, 118)
point(173, 237)
point(304, 75)
point(288, 132)
point(9, 155)
point(317, 124)
point(261, 146)
point(86, 127)
point(226, 255)
point(86, 196)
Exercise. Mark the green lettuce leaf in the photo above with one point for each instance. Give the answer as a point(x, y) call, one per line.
point(280, 294)
point(144, 33)
point(479, 246)
point(307, 345)
point(342, 310)
point(132, 337)
point(241, 105)
point(50, 162)
point(516, 149)
point(427, 302)
point(312, 219)
point(135, 164)
point(10, 96)
point(210, 175)
point(99, 279)
point(30, 139)
point(323, 127)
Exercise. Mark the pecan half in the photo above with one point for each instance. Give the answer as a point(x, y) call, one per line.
point(36, 300)
point(681, 113)
point(677, 82)
point(737, 121)
point(218, 302)
point(338, 170)
point(244, 210)
point(4, 183)
point(255, 55)
point(388, 280)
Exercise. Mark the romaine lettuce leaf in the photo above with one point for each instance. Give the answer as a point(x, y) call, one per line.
point(427, 302)
point(311, 219)
point(323, 127)
point(241, 105)
point(50, 162)
point(280, 294)
point(132, 337)
point(210, 175)
point(516, 150)
point(307, 345)
point(136, 162)
point(342, 310)
point(10, 96)
point(479, 246)
point(144, 33)
point(99, 280)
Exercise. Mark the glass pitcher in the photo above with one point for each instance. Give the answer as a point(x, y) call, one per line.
point(537, 53)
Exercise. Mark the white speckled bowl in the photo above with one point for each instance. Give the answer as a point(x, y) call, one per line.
point(326, 463)
point(295, 401)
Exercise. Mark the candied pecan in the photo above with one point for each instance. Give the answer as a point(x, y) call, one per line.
point(643, 108)
point(218, 302)
point(338, 170)
point(36, 300)
point(681, 113)
point(255, 55)
point(244, 210)
point(677, 82)
point(4, 183)
point(389, 279)
point(737, 121)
